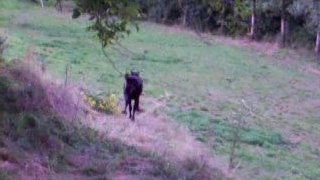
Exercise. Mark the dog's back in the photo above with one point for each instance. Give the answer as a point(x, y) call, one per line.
point(133, 86)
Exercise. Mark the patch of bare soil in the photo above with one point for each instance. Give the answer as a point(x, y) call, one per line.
point(155, 133)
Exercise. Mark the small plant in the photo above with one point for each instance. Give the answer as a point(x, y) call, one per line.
point(108, 105)
point(235, 140)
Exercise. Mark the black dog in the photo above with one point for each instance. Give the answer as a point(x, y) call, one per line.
point(132, 90)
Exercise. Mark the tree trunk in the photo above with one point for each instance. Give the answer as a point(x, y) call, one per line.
point(253, 20)
point(184, 16)
point(317, 49)
point(316, 5)
point(58, 5)
point(41, 2)
point(283, 23)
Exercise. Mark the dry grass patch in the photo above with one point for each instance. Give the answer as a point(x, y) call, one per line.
point(161, 136)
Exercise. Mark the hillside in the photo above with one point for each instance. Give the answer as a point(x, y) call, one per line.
point(202, 95)
point(47, 133)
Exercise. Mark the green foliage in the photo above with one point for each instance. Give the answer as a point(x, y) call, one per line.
point(108, 105)
point(110, 17)
point(302, 17)
point(233, 17)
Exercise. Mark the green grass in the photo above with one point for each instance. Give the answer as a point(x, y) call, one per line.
point(223, 130)
point(13, 4)
point(263, 148)
point(209, 79)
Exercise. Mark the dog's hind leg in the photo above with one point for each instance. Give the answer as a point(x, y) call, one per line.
point(130, 109)
point(138, 104)
point(135, 108)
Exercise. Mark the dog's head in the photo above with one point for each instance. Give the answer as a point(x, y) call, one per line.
point(135, 73)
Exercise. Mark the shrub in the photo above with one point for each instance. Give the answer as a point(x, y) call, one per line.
point(108, 105)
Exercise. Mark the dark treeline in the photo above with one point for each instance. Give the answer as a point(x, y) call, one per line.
point(292, 22)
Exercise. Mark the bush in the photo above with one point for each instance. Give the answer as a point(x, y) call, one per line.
point(108, 105)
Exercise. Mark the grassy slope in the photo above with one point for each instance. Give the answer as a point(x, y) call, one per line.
point(203, 83)
point(36, 142)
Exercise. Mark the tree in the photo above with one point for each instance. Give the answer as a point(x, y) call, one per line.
point(316, 5)
point(317, 48)
point(310, 11)
point(231, 15)
point(110, 18)
point(41, 2)
point(58, 5)
point(253, 19)
point(283, 22)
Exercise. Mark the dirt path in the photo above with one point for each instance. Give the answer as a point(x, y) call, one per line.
point(158, 134)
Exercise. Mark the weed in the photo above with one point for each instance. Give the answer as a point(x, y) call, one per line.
point(108, 105)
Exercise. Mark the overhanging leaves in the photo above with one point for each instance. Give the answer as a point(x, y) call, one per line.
point(110, 17)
